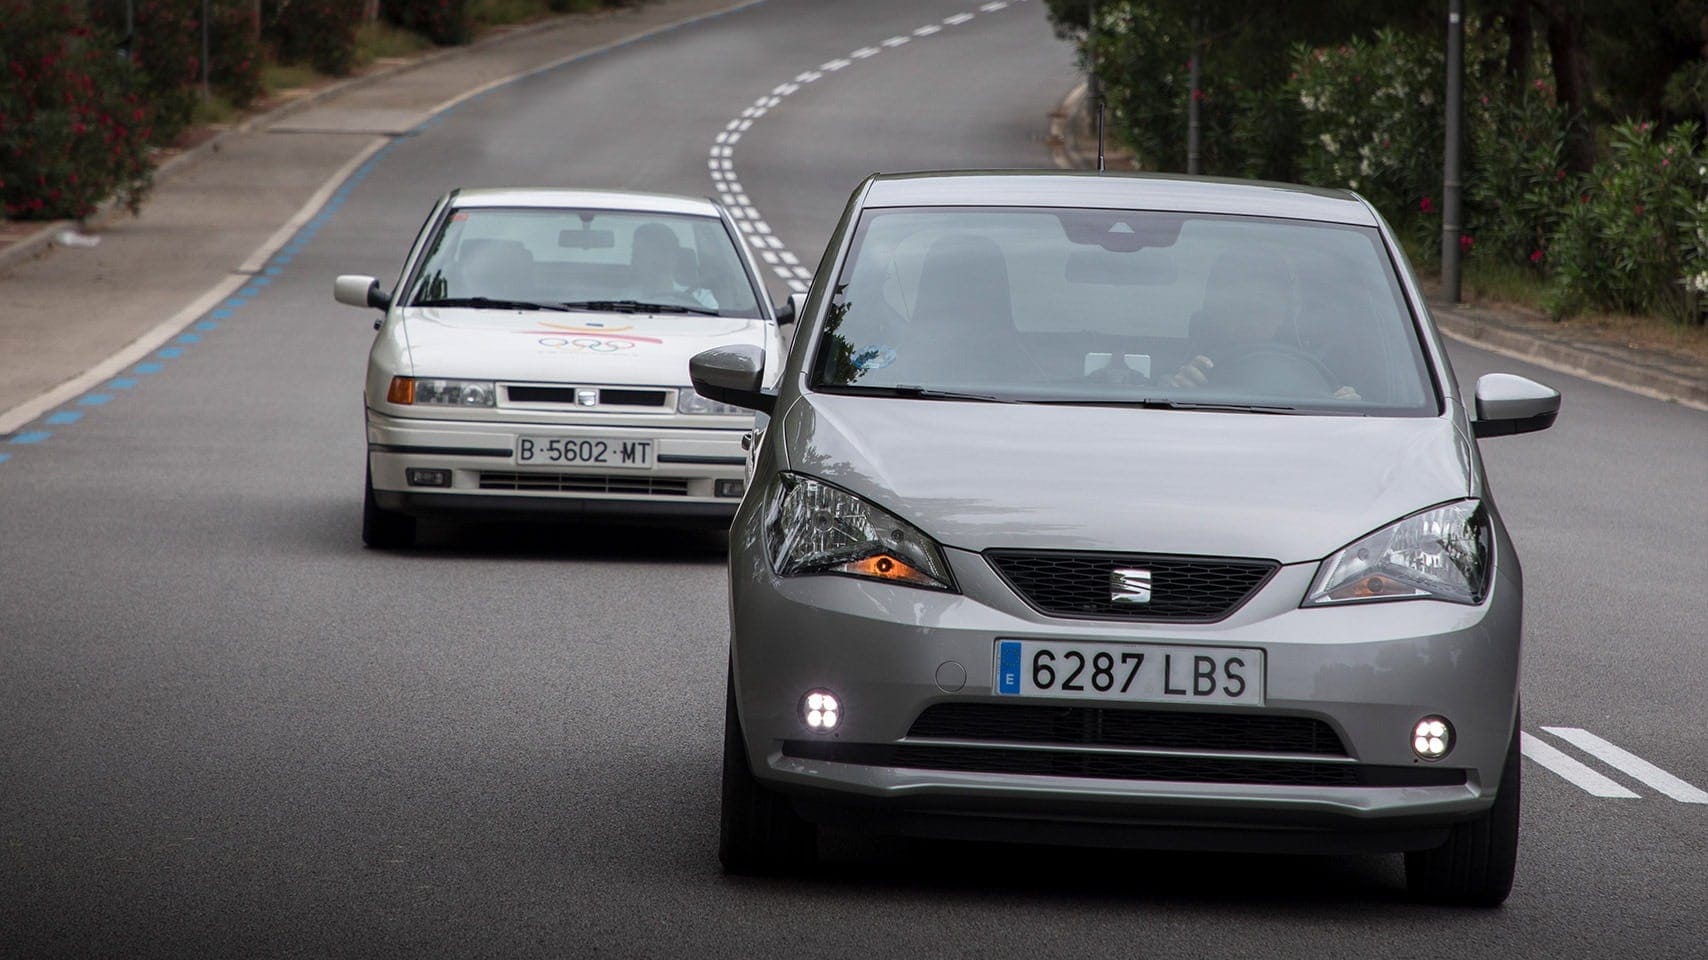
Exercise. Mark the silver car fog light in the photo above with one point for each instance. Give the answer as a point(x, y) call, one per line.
point(821, 711)
point(1432, 738)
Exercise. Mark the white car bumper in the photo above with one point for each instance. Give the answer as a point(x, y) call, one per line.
point(452, 467)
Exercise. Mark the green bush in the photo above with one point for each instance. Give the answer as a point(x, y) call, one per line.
point(166, 44)
point(1370, 119)
point(73, 129)
point(445, 22)
point(1638, 233)
point(1516, 187)
point(320, 33)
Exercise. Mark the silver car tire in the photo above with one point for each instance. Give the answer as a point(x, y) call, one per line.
point(383, 529)
point(1476, 865)
point(758, 831)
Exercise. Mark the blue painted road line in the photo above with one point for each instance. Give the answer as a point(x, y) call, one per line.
point(34, 436)
point(149, 367)
point(221, 314)
point(5, 457)
point(189, 338)
point(96, 400)
point(122, 383)
point(260, 281)
point(169, 353)
point(235, 302)
point(207, 325)
point(64, 417)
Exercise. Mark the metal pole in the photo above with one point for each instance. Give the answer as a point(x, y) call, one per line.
point(1450, 208)
point(205, 92)
point(1192, 104)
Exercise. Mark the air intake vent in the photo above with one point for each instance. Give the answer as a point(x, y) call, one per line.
point(584, 483)
point(1110, 727)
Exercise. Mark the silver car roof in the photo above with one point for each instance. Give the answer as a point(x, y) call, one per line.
point(1120, 191)
point(553, 197)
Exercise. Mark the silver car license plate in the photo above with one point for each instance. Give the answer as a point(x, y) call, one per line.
point(622, 452)
point(1139, 672)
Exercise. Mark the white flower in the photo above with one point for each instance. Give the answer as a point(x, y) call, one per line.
point(1699, 283)
point(1329, 144)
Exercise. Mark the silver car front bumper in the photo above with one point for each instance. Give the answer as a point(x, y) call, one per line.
point(889, 652)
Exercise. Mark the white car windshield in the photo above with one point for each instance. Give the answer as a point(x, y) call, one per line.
point(1111, 306)
point(584, 259)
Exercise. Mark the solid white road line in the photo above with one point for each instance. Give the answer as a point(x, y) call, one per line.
point(1571, 770)
point(1630, 764)
point(30, 410)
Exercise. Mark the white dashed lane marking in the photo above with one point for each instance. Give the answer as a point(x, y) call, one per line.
point(783, 263)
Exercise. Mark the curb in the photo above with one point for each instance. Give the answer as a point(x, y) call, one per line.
point(36, 244)
point(1626, 369)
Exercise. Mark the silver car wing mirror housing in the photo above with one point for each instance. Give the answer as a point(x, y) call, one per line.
point(733, 374)
point(790, 310)
point(1507, 404)
point(359, 291)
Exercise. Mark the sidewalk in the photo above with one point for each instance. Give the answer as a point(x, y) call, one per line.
point(1594, 354)
point(73, 313)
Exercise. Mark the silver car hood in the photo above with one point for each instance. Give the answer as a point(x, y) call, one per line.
point(982, 475)
point(551, 347)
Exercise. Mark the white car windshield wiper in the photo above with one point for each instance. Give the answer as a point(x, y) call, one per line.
point(635, 306)
point(488, 303)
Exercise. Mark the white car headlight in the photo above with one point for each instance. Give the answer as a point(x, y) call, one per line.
point(687, 401)
point(813, 527)
point(1443, 553)
point(444, 393)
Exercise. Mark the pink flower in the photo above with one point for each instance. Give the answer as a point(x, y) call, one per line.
point(1535, 256)
point(1427, 205)
point(1640, 209)
point(1466, 242)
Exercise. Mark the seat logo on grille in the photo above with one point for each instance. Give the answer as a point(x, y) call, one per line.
point(1130, 585)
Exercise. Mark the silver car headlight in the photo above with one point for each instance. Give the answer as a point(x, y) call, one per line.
point(813, 527)
point(443, 393)
point(1443, 553)
point(687, 401)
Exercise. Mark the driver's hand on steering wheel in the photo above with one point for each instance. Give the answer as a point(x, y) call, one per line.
point(1194, 374)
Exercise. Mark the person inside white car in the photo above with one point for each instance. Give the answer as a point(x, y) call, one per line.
point(657, 263)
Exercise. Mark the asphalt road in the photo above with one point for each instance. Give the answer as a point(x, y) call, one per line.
point(227, 730)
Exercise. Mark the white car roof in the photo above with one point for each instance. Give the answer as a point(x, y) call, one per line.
point(551, 197)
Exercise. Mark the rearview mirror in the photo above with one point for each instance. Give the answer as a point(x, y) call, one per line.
point(1508, 404)
point(359, 291)
point(790, 310)
point(732, 374)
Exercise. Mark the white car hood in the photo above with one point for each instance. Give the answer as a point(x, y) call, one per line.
point(555, 347)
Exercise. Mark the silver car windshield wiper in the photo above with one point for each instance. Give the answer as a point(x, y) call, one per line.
point(488, 303)
point(1159, 403)
point(913, 391)
point(635, 306)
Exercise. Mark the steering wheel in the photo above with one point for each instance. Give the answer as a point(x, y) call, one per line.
point(1277, 368)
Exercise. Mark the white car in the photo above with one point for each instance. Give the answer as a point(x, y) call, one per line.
point(534, 359)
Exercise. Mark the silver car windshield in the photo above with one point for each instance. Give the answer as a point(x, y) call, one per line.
point(585, 259)
point(1107, 306)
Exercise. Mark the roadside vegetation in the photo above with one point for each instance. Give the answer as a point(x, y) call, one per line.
point(1585, 183)
point(91, 91)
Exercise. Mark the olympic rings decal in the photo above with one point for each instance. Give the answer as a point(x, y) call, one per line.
point(590, 344)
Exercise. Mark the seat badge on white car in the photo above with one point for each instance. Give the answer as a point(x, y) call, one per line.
point(1130, 585)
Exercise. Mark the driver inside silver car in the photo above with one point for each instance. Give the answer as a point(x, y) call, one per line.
point(1249, 313)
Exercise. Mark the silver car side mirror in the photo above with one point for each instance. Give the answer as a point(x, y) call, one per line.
point(791, 309)
point(732, 374)
point(1508, 404)
point(359, 291)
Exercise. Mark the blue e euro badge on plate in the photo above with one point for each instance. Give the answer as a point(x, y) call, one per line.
point(1008, 666)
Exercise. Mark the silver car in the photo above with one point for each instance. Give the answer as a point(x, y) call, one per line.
point(1102, 509)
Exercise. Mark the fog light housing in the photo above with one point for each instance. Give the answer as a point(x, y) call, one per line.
point(428, 477)
point(731, 488)
point(1432, 738)
point(821, 711)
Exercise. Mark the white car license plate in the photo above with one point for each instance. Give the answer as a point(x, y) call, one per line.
point(1145, 672)
point(622, 452)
